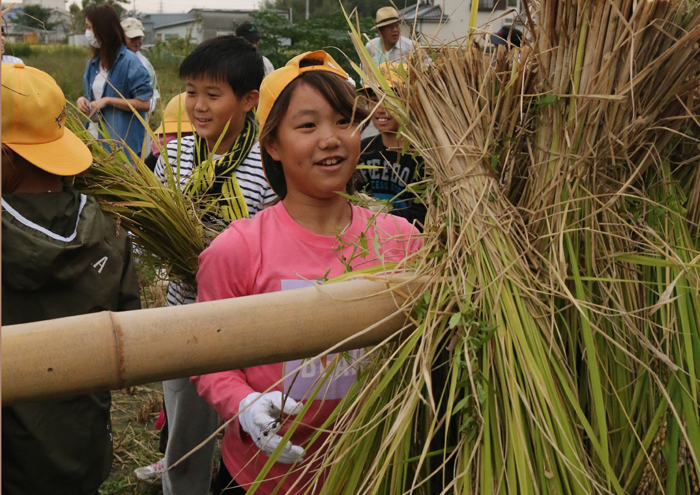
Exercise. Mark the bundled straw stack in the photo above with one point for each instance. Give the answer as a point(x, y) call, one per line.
point(557, 348)
point(169, 227)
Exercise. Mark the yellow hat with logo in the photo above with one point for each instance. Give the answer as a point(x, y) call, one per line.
point(34, 122)
point(174, 113)
point(273, 85)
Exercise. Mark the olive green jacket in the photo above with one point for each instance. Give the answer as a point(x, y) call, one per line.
point(61, 256)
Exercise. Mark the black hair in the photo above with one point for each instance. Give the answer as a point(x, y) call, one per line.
point(249, 32)
point(108, 32)
point(226, 58)
point(337, 91)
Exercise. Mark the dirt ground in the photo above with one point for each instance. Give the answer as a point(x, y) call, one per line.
point(134, 414)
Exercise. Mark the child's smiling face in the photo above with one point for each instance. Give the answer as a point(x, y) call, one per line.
point(316, 145)
point(382, 119)
point(211, 104)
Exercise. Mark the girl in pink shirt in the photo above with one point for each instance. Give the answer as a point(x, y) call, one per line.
point(310, 150)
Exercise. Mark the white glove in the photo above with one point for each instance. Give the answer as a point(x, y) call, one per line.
point(259, 415)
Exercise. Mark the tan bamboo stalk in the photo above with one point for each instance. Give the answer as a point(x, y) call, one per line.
point(108, 351)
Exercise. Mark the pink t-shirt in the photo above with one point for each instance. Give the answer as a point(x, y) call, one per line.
point(268, 253)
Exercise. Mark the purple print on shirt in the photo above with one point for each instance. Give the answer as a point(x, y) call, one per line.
point(301, 384)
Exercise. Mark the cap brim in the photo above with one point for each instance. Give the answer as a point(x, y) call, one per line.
point(134, 33)
point(170, 127)
point(365, 91)
point(65, 156)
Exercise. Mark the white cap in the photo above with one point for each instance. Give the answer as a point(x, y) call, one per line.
point(132, 27)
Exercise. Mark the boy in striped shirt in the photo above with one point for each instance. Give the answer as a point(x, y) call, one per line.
point(221, 160)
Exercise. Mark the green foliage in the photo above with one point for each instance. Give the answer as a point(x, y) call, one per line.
point(36, 16)
point(328, 33)
point(319, 9)
point(77, 23)
point(117, 4)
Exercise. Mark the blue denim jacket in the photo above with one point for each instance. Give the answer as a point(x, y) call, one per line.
point(129, 78)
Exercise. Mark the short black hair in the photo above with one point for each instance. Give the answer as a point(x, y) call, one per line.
point(248, 31)
point(226, 58)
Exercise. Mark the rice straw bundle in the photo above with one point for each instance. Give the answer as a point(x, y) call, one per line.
point(498, 414)
point(170, 227)
point(622, 85)
point(557, 349)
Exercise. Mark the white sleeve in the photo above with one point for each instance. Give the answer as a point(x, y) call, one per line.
point(269, 68)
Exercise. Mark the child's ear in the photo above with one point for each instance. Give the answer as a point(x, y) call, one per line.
point(271, 147)
point(250, 99)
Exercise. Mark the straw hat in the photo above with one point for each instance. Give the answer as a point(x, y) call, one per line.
point(386, 16)
point(132, 27)
point(175, 112)
point(34, 122)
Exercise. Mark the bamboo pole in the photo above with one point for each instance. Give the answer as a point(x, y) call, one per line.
point(108, 351)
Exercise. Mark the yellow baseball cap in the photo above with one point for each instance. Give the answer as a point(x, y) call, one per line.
point(34, 122)
point(175, 112)
point(390, 71)
point(273, 85)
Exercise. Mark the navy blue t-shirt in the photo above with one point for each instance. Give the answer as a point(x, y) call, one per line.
point(390, 181)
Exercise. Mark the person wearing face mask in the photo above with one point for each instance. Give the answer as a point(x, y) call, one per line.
point(116, 83)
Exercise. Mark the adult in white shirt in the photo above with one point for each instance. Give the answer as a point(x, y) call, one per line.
point(251, 34)
point(390, 45)
point(133, 30)
point(7, 59)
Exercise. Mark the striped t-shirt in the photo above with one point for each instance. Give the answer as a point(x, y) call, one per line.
point(250, 177)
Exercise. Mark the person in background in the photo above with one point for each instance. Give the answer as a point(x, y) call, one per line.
point(390, 45)
point(61, 256)
point(115, 81)
point(222, 77)
point(7, 59)
point(249, 32)
point(391, 170)
point(133, 30)
point(174, 117)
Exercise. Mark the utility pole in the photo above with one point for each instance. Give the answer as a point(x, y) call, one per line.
point(307, 10)
point(160, 7)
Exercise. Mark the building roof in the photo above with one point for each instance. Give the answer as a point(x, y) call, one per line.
point(178, 23)
point(424, 13)
point(159, 20)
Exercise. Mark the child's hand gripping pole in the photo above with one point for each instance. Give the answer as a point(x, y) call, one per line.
point(260, 417)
